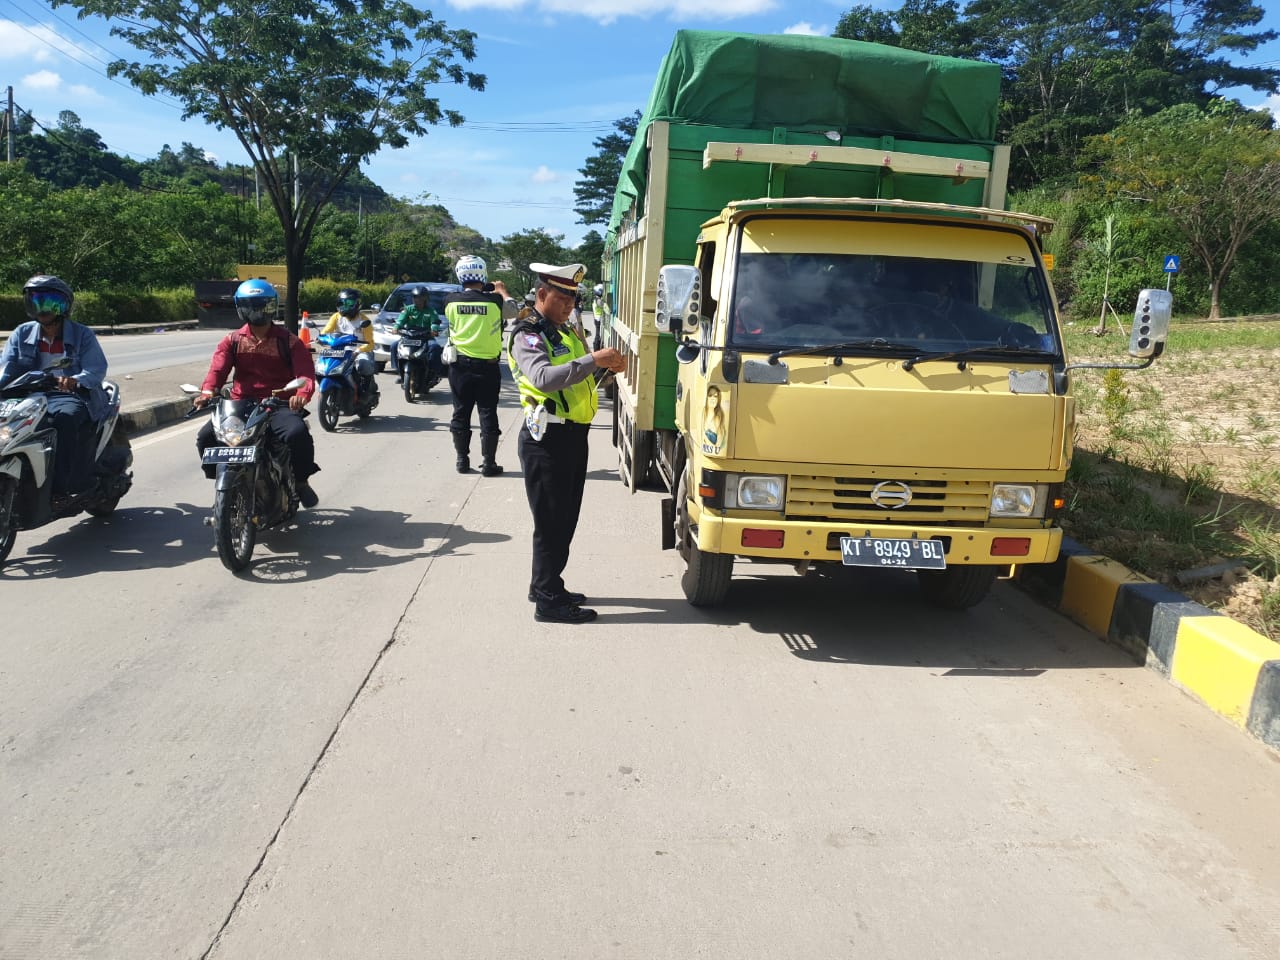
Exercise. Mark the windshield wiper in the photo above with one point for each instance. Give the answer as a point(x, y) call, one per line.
point(977, 351)
point(879, 343)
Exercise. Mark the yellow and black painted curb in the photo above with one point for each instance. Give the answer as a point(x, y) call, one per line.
point(1233, 670)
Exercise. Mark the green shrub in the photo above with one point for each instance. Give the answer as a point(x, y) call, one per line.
point(320, 297)
point(113, 308)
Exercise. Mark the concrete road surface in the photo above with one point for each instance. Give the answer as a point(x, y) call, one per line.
point(150, 351)
point(366, 747)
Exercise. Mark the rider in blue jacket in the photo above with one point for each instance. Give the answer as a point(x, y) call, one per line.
point(52, 340)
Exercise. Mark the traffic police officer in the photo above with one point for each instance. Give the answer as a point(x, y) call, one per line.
point(475, 329)
point(557, 380)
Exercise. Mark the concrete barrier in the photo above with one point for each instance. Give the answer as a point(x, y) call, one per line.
point(1232, 669)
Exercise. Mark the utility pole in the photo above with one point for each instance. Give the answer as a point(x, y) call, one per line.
point(8, 125)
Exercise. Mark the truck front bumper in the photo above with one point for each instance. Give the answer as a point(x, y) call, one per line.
point(797, 541)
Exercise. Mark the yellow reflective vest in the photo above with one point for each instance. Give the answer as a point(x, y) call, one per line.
point(475, 323)
point(577, 402)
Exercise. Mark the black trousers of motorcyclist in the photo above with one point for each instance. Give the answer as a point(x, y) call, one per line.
point(475, 383)
point(289, 427)
point(73, 461)
point(555, 472)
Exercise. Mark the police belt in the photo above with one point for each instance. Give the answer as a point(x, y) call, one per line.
point(467, 361)
point(556, 421)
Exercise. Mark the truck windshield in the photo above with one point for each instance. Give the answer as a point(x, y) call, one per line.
point(787, 300)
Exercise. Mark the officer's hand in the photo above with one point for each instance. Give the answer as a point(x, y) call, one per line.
point(609, 359)
point(296, 403)
point(500, 287)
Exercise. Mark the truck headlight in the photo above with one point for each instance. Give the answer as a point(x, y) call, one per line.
point(754, 492)
point(1018, 499)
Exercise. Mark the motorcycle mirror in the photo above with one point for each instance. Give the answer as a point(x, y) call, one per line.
point(365, 323)
point(188, 388)
point(293, 384)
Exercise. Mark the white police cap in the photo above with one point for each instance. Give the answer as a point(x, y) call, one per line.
point(564, 279)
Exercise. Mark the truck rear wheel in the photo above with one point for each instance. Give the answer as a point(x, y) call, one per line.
point(706, 575)
point(957, 588)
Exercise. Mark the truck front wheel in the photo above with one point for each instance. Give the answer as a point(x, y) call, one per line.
point(957, 588)
point(706, 575)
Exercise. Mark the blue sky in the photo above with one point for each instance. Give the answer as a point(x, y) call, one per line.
point(559, 73)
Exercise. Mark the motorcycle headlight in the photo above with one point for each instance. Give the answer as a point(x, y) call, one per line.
point(231, 431)
point(1018, 500)
point(754, 492)
point(17, 415)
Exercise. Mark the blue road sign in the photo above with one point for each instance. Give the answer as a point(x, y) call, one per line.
point(1172, 263)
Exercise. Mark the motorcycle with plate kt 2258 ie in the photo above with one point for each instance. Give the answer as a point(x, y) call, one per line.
point(254, 488)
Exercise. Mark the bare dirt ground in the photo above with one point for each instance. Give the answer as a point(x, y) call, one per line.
point(1178, 466)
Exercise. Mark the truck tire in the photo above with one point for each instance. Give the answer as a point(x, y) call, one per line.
point(957, 588)
point(706, 575)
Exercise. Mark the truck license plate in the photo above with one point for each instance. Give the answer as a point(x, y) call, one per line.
point(884, 552)
point(230, 455)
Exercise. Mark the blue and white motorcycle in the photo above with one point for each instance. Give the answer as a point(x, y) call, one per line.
point(345, 377)
point(28, 445)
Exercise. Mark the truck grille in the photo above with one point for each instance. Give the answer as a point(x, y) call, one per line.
point(845, 499)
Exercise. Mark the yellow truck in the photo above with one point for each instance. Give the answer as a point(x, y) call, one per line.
point(841, 348)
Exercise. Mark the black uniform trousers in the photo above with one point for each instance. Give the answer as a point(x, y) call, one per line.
point(475, 383)
point(555, 471)
point(289, 428)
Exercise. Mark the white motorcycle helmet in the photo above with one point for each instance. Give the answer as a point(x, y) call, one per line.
point(472, 270)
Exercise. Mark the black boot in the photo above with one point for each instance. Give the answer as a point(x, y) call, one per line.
point(489, 447)
point(462, 446)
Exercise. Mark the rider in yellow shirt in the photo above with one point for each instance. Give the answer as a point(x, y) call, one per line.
point(347, 320)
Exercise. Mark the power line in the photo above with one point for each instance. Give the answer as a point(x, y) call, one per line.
point(45, 40)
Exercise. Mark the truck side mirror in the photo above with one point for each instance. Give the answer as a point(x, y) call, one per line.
point(679, 306)
point(1150, 324)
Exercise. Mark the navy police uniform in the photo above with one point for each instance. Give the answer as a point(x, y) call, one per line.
point(555, 374)
point(475, 329)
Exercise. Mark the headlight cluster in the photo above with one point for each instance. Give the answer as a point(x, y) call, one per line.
point(747, 491)
point(232, 431)
point(1026, 500)
point(16, 415)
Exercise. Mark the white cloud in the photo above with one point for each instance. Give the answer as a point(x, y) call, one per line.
point(40, 80)
point(20, 43)
point(806, 29)
point(544, 174)
point(42, 83)
point(1272, 103)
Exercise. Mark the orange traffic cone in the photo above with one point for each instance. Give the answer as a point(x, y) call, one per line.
point(304, 329)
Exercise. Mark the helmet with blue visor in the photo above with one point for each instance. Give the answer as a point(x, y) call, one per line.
point(46, 296)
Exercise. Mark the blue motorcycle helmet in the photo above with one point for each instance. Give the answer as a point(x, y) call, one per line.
point(256, 302)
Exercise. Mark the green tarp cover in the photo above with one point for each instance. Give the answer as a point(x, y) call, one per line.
point(760, 82)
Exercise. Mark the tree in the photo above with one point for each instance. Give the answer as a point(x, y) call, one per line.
point(591, 252)
point(1076, 68)
point(1215, 174)
point(531, 245)
point(310, 90)
point(594, 192)
point(929, 26)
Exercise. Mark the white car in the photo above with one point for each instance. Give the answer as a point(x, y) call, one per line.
point(384, 321)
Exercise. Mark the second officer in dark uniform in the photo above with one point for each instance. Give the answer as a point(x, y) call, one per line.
point(475, 329)
point(557, 380)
